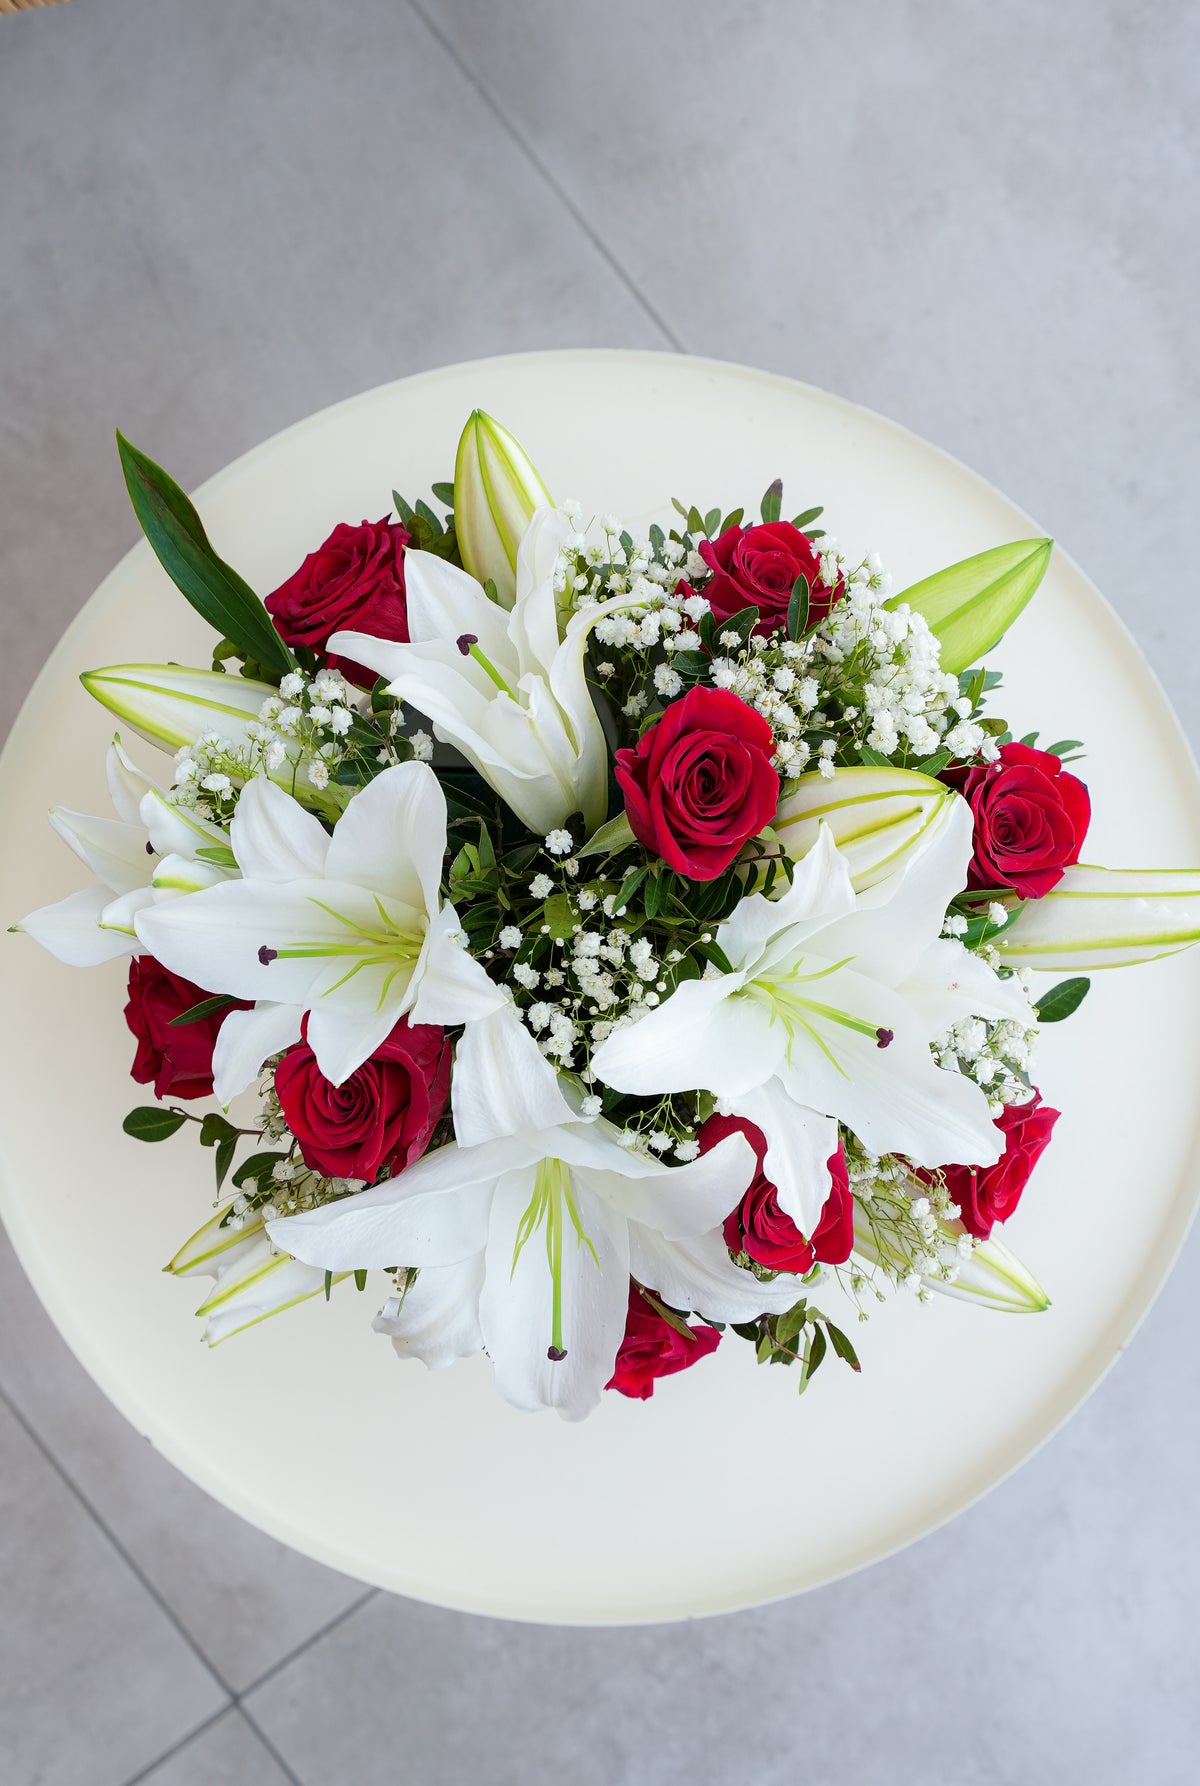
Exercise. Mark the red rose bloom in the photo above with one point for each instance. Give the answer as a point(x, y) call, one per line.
point(178, 1061)
point(700, 783)
point(355, 580)
point(382, 1115)
point(758, 566)
point(988, 1194)
point(758, 1225)
point(1031, 818)
point(652, 1348)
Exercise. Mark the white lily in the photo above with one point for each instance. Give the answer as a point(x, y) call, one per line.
point(348, 927)
point(525, 1231)
point(500, 686)
point(827, 1013)
point(1106, 917)
point(147, 852)
point(253, 1278)
point(496, 490)
point(877, 817)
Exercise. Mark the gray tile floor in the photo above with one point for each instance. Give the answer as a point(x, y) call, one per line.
point(978, 218)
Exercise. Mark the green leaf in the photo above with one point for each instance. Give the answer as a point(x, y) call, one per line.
point(1063, 999)
point(874, 759)
point(219, 1002)
point(403, 509)
point(933, 766)
point(427, 514)
point(695, 521)
point(560, 917)
point(797, 615)
point(328, 1284)
point(215, 1128)
point(179, 541)
point(814, 1355)
point(711, 522)
point(772, 502)
point(971, 605)
point(616, 835)
point(841, 1345)
point(1063, 745)
point(732, 519)
point(808, 517)
point(629, 887)
point(150, 1122)
point(657, 894)
point(223, 1158)
point(219, 854)
point(257, 1166)
point(444, 494)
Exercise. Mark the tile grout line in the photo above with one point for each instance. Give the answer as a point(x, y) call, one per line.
point(285, 1661)
point(144, 1773)
point(548, 177)
point(102, 1525)
point(269, 1746)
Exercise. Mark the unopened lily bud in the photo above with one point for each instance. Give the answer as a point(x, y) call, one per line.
point(496, 490)
point(878, 817)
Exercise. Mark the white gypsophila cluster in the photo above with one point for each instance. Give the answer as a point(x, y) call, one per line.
point(865, 676)
point(997, 1056)
point(299, 734)
point(907, 1221)
point(598, 977)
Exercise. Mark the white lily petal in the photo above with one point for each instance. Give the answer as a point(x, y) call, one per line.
point(800, 1144)
point(535, 611)
point(438, 1319)
point(516, 1307)
point(173, 830)
point(246, 1039)
point(895, 919)
point(703, 1036)
point(820, 893)
point(449, 985)
point(120, 914)
point(950, 983)
point(183, 874)
point(698, 1274)
point(114, 851)
point(444, 603)
point(502, 1081)
point(127, 786)
point(432, 1213)
point(392, 837)
point(679, 1201)
point(273, 838)
point(69, 929)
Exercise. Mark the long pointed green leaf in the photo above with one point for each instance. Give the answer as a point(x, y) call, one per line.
point(179, 541)
point(971, 605)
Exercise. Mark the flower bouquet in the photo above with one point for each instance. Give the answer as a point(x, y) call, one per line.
point(624, 942)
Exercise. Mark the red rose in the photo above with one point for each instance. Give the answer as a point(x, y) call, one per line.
point(355, 580)
point(1031, 818)
point(179, 1061)
point(653, 1348)
point(988, 1194)
point(382, 1115)
point(758, 566)
point(700, 783)
point(759, 1227)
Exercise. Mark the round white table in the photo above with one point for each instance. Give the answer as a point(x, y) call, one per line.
point(726, 1489)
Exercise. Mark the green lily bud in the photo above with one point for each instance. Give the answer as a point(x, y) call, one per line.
point(496, 490)
point(993, 1277)
point(254, 1279)
point(877, 817)
point(990, 1275)
point(171, 706)
point(1106, 917)
point(971, 605)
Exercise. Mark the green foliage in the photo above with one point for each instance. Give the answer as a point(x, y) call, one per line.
point(1063, 999)
point(771, 506)
point(220, 1001)
point(182, 547)
point(150, 1122)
